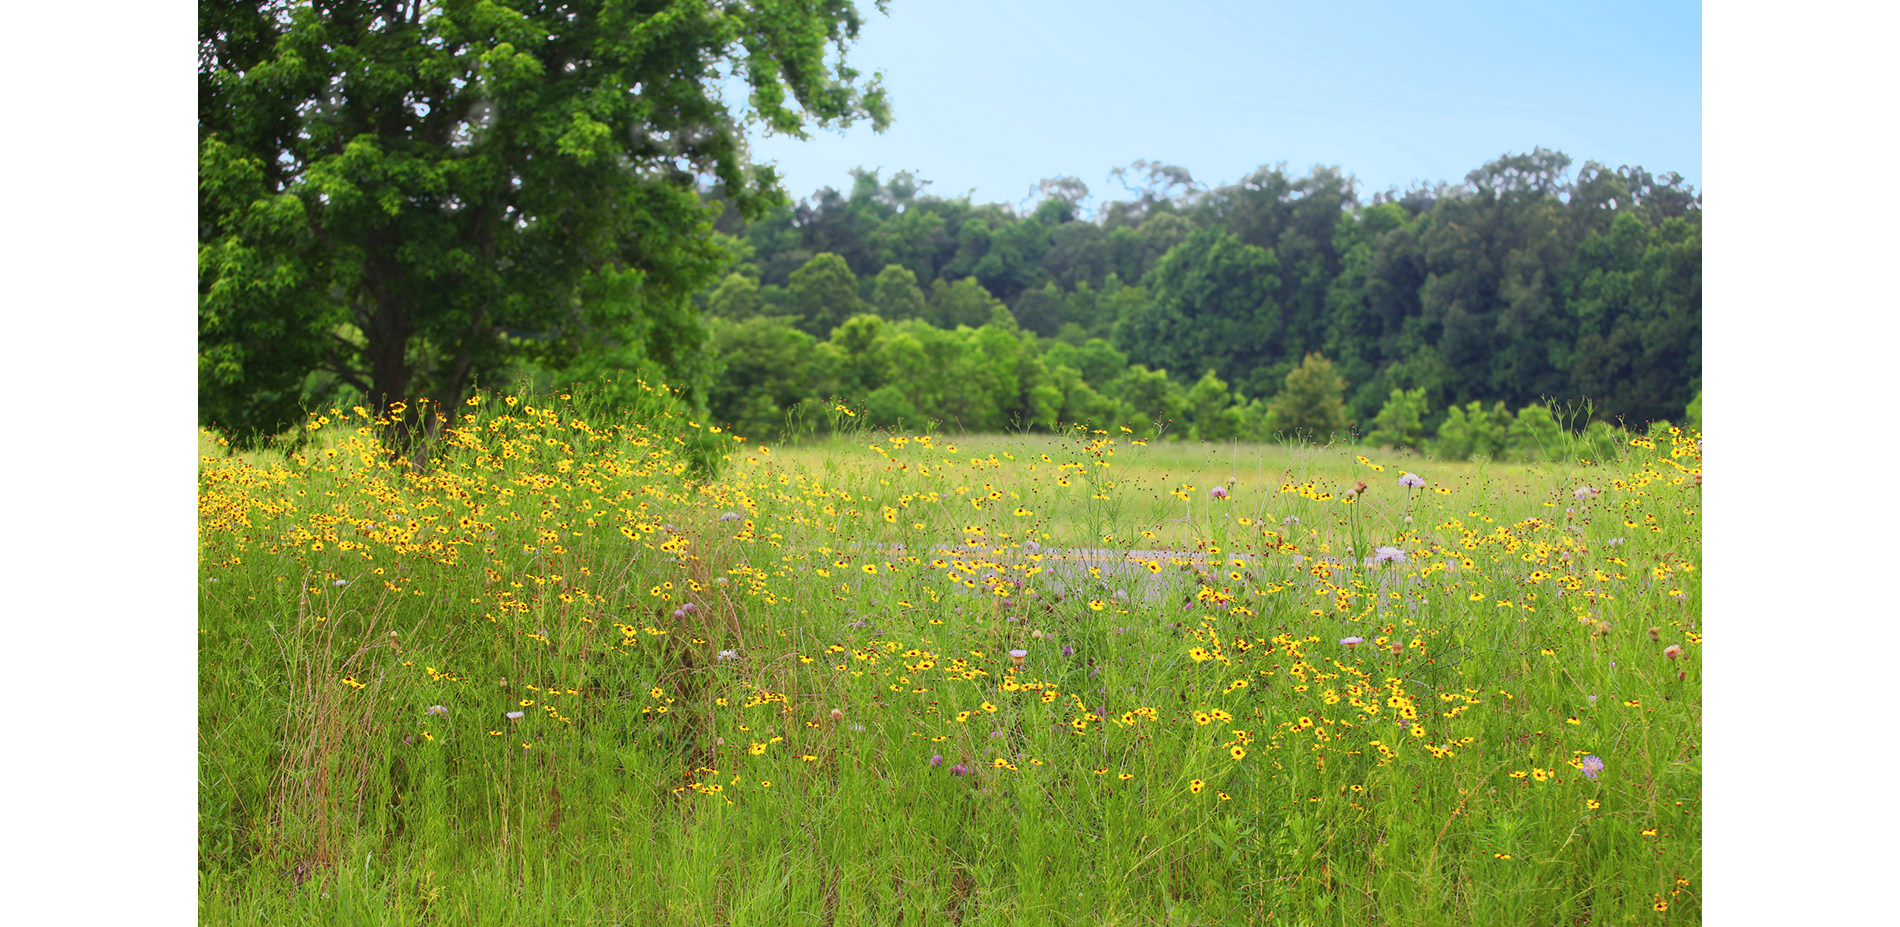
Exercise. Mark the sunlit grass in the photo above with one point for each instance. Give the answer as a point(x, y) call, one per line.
point(552, 676)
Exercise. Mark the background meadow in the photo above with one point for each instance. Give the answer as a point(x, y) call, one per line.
point(577, 668)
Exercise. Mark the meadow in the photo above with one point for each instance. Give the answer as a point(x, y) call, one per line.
point(557, 673)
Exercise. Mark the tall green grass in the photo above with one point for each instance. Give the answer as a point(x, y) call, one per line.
point(845, 685)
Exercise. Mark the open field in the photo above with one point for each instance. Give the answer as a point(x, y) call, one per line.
point(556, 677)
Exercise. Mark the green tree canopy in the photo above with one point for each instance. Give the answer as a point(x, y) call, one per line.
point(401, 198)
point(736, 298)
point(964, 302)
point(895, 294)
point(1400, 423)
point(1210, 305)
point(823, 294)
point(1312, 404)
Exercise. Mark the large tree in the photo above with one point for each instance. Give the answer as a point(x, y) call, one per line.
point(401, 196)
point(1211, 305)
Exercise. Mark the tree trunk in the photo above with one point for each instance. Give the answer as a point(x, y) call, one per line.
point(390, 328)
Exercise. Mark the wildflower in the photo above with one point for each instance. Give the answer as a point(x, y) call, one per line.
point(1290, 520)
point(1218, 492)
point(440, 710)
point(1411, 480)
point(959, 770)
point(513, 716)
point(1655, 634)
point(936, 759)
point(725, 655)
point(1585, 493)
point(1351, 642)
point(1196, 786)
point(1016, 657)
point(1068, 651)
point(1673, 651)
point(837, 714)
point(730, 516)
point(1591, 766)
point(1388, 554)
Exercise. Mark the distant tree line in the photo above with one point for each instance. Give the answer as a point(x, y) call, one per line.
point(1220, 313)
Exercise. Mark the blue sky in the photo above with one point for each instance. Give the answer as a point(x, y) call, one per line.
point(994, 96)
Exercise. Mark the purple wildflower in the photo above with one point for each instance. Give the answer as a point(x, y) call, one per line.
point(1068, 651)
point(1591, 766)
point(1585, 493)
point(442, 710)
point(730, 516)
point(513, 716)
point(1017, 656)
point(936, 759)
point(959, 770)
point(1218, 492)
point(1388, 554)
point(1350, 642)
point(1411, 480)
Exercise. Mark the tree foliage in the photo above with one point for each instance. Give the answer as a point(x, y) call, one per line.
point(1312, 404)
point(1519, 285)
point(1401, 422)
point(401, 198)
